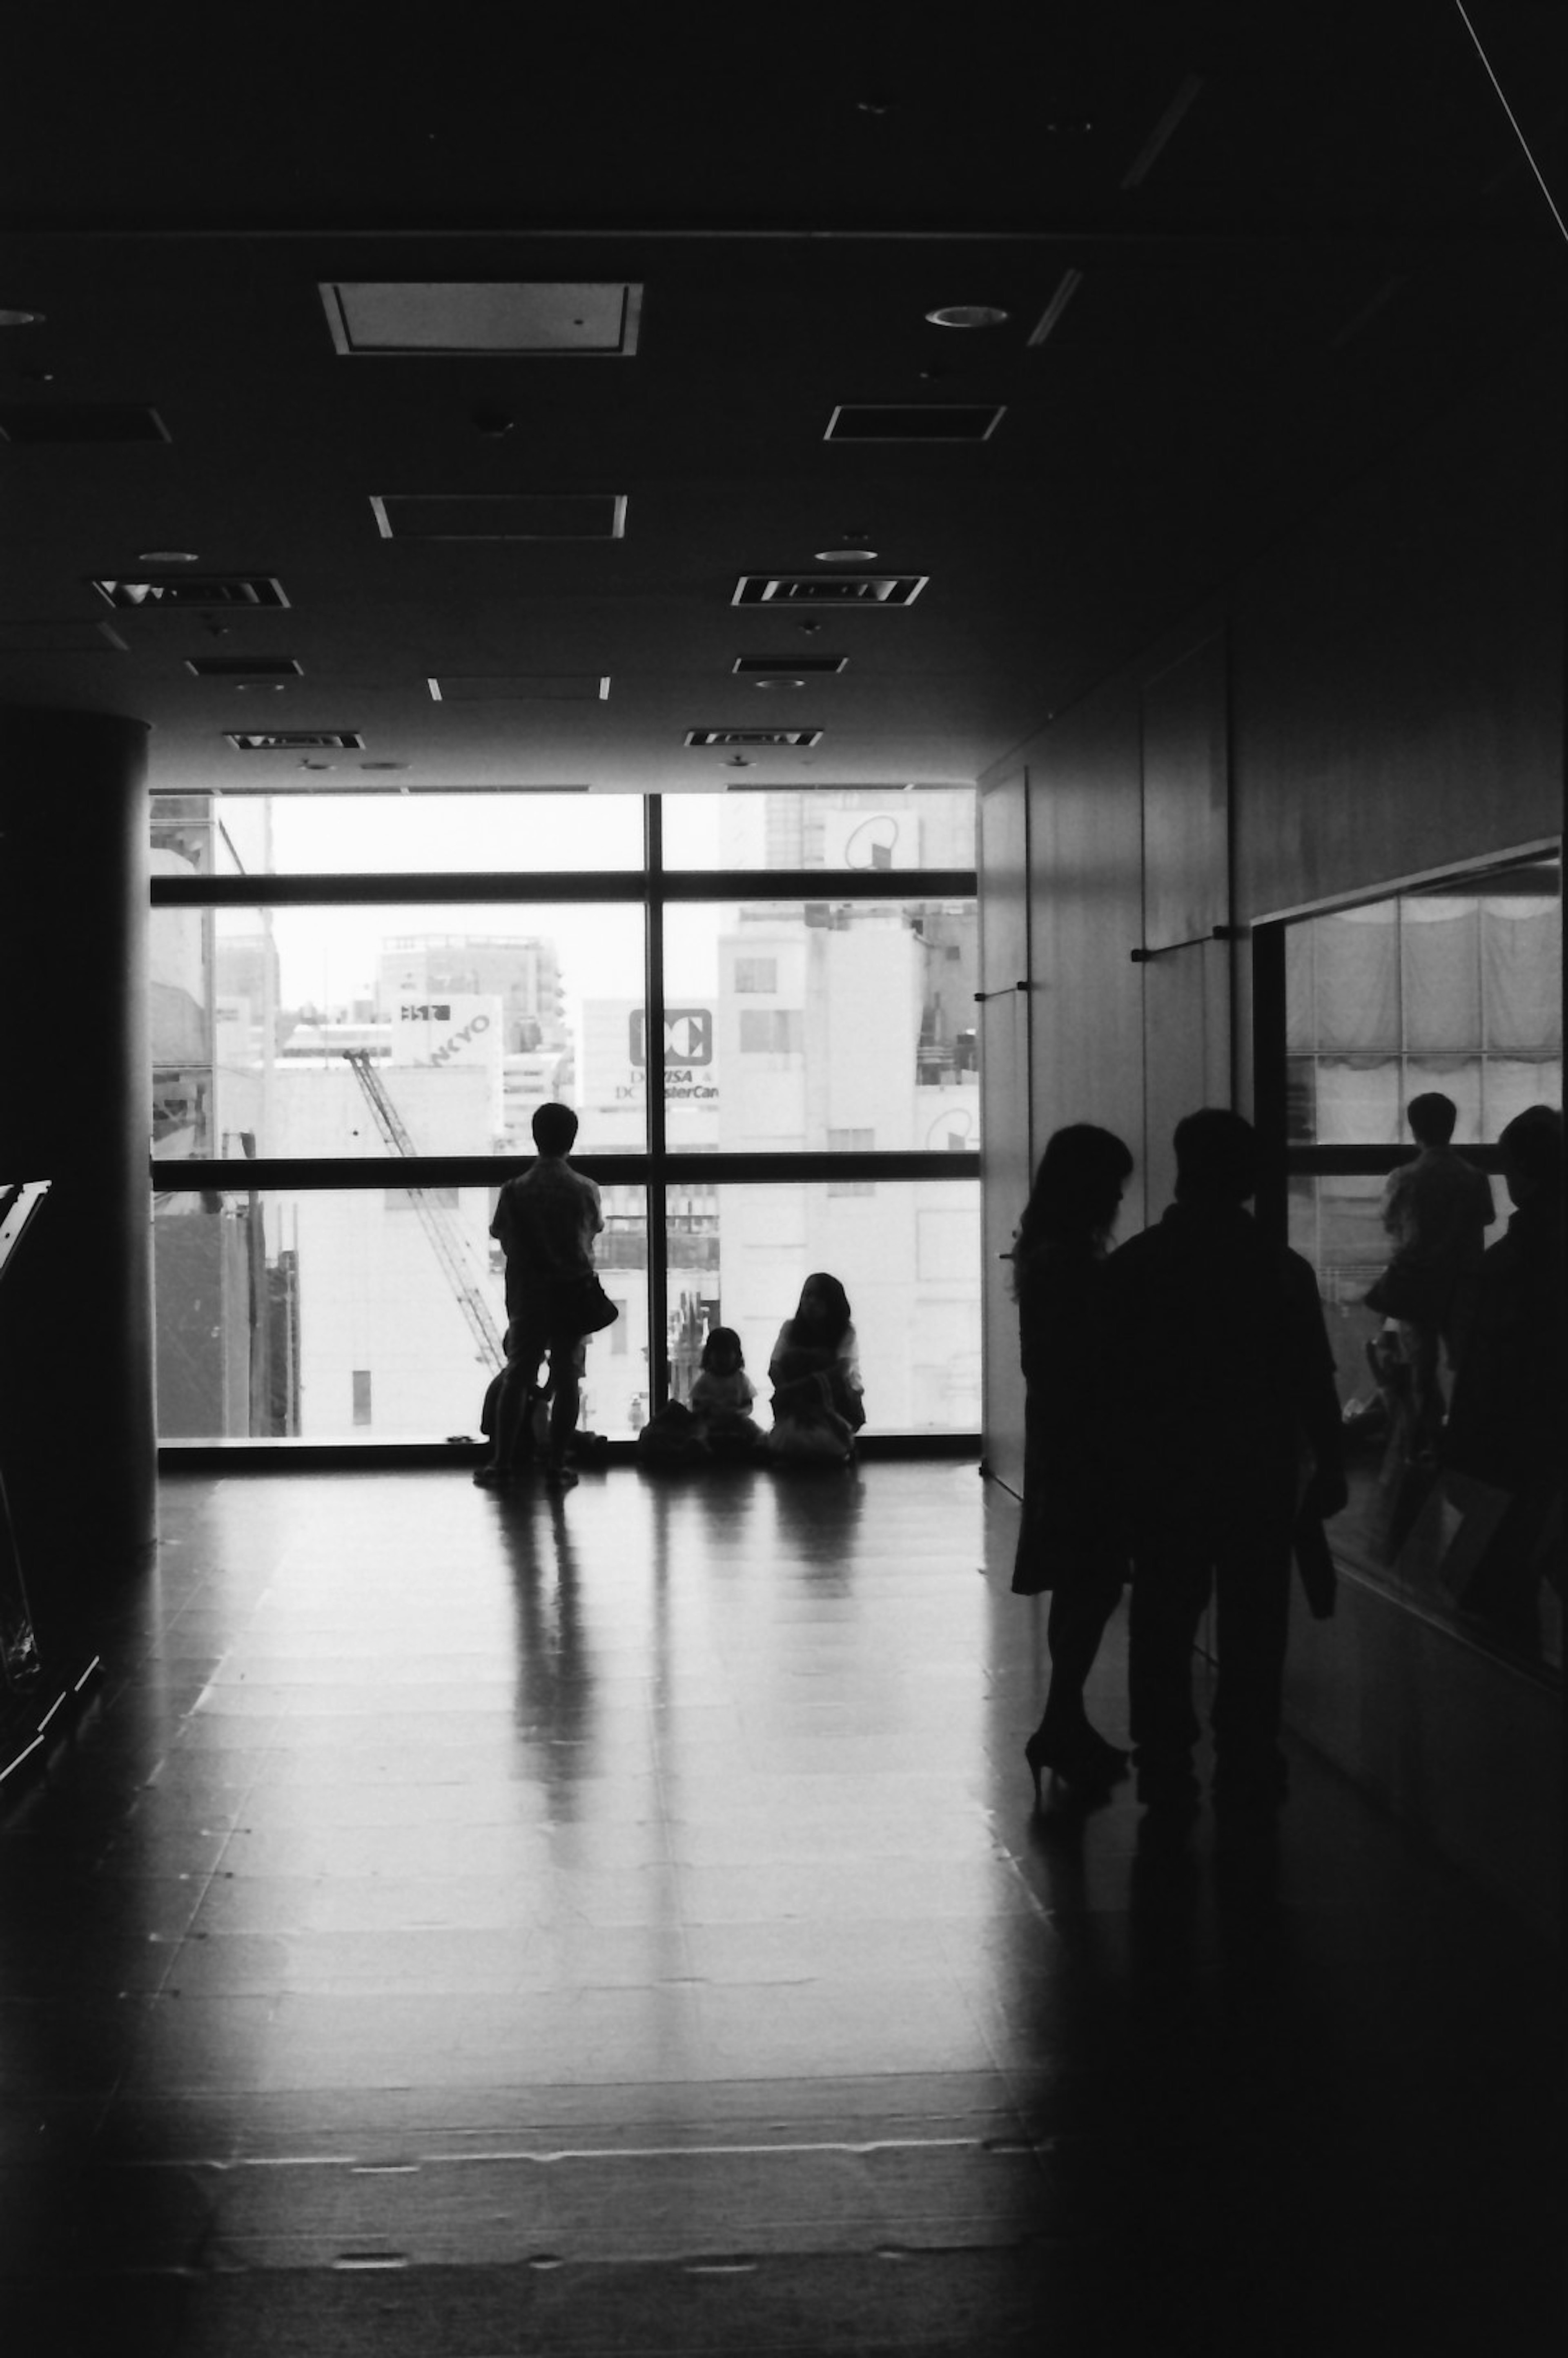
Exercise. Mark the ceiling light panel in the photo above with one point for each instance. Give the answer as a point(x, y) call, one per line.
point(197, 589)
point(804, 737)
point(829, 589)
point(295, 740)
point(499, 515)
point(785, 667)
point(396, 318)
point(915, 421)
point(246, 666)
point(520, 687)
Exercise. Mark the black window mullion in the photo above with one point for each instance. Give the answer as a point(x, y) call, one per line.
point(654, 1090)
point(559, 887)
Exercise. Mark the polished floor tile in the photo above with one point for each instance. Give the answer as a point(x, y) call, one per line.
point(489, 1925)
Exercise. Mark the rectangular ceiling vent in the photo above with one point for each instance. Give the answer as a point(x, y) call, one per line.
point(829, 589)
point(518, 687)
point(295, 740)
point(913, 421)
point(194, 591)
point(787, 666)
point(246, 666)
point(412, 318)
point(40, 423)
point(807, 737)
point(499, 515)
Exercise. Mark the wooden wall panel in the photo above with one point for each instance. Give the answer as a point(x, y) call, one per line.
point(1087, 918)
point(1187, 818)
point(1398, 664)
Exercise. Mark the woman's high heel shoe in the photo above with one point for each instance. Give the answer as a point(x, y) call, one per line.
point(1082, 1757)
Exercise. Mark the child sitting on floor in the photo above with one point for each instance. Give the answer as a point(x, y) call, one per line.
point(722, 1393)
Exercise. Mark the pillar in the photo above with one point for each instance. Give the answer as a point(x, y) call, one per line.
point(77, 1430)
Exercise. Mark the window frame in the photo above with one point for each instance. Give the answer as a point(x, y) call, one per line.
point(656, 1169)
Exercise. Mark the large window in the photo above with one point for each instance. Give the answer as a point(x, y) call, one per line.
point(1454, 993)
point(359, 1001)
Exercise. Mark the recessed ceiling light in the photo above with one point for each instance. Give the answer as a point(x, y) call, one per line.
point(168, 557)
point(845, 555)
point(21, 319)
point(967, 314)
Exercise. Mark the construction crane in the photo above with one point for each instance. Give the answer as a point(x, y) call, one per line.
point(445, 1239)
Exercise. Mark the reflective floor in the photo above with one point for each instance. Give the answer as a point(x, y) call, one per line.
point(471, 1924)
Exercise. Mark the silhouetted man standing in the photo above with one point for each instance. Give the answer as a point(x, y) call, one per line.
point(1223, 1365)
point(545, 1222)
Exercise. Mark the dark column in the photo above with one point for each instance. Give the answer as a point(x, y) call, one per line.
point(76, 1385)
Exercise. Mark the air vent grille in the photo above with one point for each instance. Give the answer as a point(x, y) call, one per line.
point(913, 421)
point(753, 736)
point(246, 666)
point(149, 591)
point(295, 740)
point(499, 515)
point(38, 423)
point(829, 589)
point(784, 666)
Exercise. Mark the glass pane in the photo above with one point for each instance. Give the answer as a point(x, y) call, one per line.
point(798, 1026)
point(907, 1254)
point(1521, 973)
point(354, 833)
point(1440, 952)
point(826, 827)
point(375, 1313)
point(339, 1031)
point(1476, 1548)
point(1452, 991)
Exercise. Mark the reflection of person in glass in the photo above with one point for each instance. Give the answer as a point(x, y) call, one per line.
point(1436, 1210)
point(814, 1373)
point(545, 1222)
point(1505, 1427)
point(1223, 1370)
point(1070, 1540)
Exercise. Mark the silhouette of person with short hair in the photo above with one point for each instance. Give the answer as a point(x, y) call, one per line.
point(545, 1222)
point(1225, 1368)
point(1436, 1209)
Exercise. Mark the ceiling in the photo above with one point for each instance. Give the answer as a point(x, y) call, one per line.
point(1299, 232)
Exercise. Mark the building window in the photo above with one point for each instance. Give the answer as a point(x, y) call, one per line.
point(360, 1378)
point(771, 1032)
point(758, 974)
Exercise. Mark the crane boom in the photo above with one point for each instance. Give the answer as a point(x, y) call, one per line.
point(445, 1243)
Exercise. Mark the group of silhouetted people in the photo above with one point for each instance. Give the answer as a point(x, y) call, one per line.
point(1180, 1420)
point(817, 1395)
point(545, 1222)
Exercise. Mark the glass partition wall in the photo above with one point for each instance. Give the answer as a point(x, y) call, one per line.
point(1446, 999)
point(359, 1001)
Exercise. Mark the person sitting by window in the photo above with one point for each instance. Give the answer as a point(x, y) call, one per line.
point(817, 1402)
point(721, 1395)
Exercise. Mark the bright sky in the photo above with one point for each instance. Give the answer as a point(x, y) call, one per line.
point(329, 956)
